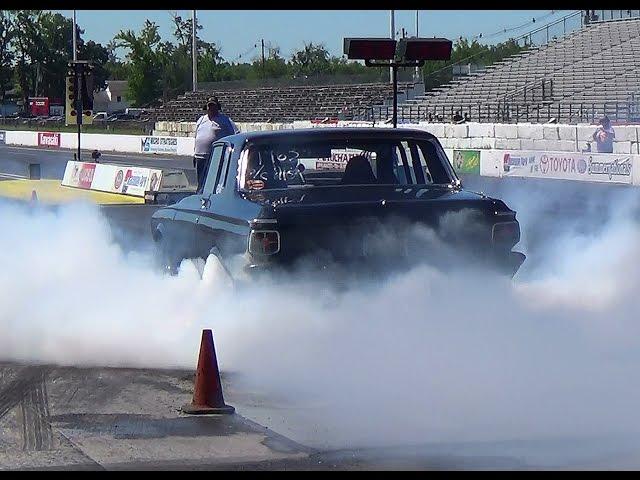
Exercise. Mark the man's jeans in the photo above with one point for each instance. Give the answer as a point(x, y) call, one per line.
point(201, 169)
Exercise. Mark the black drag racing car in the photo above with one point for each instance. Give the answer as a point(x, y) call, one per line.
point(355, 197)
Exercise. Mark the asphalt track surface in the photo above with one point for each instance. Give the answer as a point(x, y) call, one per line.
point(130, 222)
point(58, 418)
point(14, 161)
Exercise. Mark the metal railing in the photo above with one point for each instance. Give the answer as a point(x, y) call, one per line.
point(609, 15)
point(561, 112)
point(544, 31)
point(543, 87)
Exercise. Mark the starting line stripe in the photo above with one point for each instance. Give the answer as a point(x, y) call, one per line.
point(50, 191)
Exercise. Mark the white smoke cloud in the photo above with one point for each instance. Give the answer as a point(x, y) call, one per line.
point(423, 356)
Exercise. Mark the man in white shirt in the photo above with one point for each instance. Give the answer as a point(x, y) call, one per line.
point(210, 127)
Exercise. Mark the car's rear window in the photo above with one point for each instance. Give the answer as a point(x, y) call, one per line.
point(391, 162)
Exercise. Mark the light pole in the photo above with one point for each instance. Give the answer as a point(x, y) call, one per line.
point(392, 27)
point(417, 36)
point(194, 52)
point(75, 45)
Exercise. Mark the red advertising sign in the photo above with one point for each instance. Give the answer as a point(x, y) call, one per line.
point(39, 106)
point(49, 139)
point(86, 175)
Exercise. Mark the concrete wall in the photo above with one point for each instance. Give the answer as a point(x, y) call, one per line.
point(541, 163)
point(523, 136)
point(14, 137)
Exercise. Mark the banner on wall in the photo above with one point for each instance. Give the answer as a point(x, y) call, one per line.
point(591, 167)
point(466, 161)
point(112, 178)
point(159, 145)
point(49, 139)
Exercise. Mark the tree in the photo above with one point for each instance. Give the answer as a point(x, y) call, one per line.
point(99, 58)
point(55, 50)
point(6, 54)
point(211, 65)
point(182, 31)
point(115, 68)
point(274, 65)
point(27, 48)
point(145, 65)
point(209, 58)
point(42, 46)
point(312, 59)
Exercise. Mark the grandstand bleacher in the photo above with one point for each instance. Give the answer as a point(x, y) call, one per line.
point(590, 72)
point(283, 104)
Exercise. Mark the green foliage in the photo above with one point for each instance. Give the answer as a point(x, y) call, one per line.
point(40, 45)
point(146, 60)
point(311, 60)
point(99, 57)
point(6, 54)
point(114, 67)
point(27, 49)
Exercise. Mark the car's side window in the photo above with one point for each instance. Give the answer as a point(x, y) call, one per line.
point(222, 184)
point(213, 173)
point(430, 152)
point(420, 164)
point(403, 172)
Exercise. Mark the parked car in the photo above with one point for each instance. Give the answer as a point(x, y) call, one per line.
point(120, 116)
point(334, 196)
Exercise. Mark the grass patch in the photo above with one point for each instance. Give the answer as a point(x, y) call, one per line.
point(53, 127)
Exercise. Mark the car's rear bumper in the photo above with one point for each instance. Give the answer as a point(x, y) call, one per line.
point(508, 264)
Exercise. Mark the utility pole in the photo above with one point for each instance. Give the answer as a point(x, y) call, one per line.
point(262, 43)
point(194, 51)
point(392, 27)
point(417, 36)
point(75, 40)
point(78, 106)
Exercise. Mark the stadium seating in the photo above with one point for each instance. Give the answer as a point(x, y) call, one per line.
point(283, 104)
point(592, 71)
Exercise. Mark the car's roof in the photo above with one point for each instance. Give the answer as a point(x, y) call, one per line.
point(331, 133)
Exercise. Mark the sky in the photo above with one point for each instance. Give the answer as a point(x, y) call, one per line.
point(238, 31)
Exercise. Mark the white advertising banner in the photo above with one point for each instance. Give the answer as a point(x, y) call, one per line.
point(112, 178)
point(159, 145)
point(590, 167)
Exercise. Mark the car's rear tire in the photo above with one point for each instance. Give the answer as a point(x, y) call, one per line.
point(166, 256)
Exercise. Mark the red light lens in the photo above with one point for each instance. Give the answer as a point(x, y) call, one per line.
point(370, 48)
point(428, 49)
point(264, 242)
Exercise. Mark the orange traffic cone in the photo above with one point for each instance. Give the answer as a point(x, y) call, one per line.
point(207, 396)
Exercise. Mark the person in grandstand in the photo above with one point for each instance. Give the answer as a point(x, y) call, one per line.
point(210, 127)
point(604, 136)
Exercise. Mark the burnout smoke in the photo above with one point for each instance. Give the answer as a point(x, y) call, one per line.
point(421, 356)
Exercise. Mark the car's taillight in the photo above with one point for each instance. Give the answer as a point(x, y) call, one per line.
point(264, 242)
point(506, 233)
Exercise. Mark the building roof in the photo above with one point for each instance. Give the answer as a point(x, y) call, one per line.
point(117, 87)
